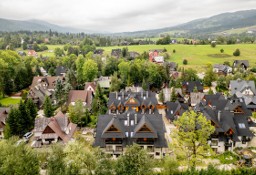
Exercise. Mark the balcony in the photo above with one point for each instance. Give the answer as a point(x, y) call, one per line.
point(113, 141)
point(145, 141)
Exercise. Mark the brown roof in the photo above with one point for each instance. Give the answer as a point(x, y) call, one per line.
point(92, 84)
point(83, 95)
point(3, 115)
point(59, 125)
point(49, 80)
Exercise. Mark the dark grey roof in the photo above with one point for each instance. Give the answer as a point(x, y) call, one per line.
point(238, 63)
point(146, 98)
point(116, 123)
point(241, 85)
point(242, 131)
point(190, 86)
point(153, 121)
point(60, 70)
point(175, 108)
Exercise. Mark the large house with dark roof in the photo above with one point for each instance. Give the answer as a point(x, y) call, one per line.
point(191, 86)
point(231, 119)
point(175, 109)
point(241, 64)
point(143, 102)
point(80, 95)
point(114, 132)
point(42, 87)
point(52, 130)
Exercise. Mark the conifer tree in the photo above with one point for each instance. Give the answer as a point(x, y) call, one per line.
point(48, 108)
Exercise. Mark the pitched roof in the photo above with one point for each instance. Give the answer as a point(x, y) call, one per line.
point(240, 62)
point(196, 97)
point(82, 95)
point(93, 85)
point(129, 130)
point(49, 80)
point(190, 86)
point(60, 70)
point(59, 125)
point(241, 85)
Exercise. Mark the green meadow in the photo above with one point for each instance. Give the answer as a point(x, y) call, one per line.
point(199, 55)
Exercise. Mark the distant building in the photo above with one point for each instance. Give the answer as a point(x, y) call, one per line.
point(32, 53)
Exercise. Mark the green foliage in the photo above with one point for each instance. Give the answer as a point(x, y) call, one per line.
point(210, 92)
point(236, 53)
point(221, 84)
point(228, 158)
point(111, 66)
point(173, 95)
point(135, 161)
point(99, 102)
point(17, 159)
point(213, 44)
point(56, 165)
point(161, 96)
point(164, 41)
point(185, 62)
point(90, 70)
point(115, 83)
point(209, 77)
point(221, 50)
point(125, 52)
point(193, 132)
point(78, 114)
point(170, 166)
point(79, 70)
point(58, 52)
point(48, 108)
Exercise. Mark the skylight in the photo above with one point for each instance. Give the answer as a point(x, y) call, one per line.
point(241, 125)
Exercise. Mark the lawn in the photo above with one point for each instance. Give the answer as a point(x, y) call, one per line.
point(199, 55)
point(9, 101)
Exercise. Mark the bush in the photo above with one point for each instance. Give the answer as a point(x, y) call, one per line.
point(221, 50)
point(253, 69)
point(213, 44)
point(228, 158)
point(185, 62)
point(174, 51)
point(236, 53)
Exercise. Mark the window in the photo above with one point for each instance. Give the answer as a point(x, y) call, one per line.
point(132, 134)
point(241, 125)
point(125, 122)
point(132, 122)
point(127, 134)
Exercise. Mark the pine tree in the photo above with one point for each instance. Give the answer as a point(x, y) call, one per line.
point(13, 125)
point(58, 92)
point(24, 118)
point(161, 96)
point(32, 112)
point(99, 102)
point(173, 95)
point(48, 108)
point(144, 85)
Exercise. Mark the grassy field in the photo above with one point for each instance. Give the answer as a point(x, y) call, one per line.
point(199, 55)
point(9, 101)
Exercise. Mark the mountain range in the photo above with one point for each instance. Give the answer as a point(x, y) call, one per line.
point(239, 21)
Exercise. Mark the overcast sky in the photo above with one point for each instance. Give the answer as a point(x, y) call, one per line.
point(118, 15)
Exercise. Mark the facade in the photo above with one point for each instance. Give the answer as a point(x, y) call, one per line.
point(241, 64)
point(52, 130)
point(116, 131)
point(143, 102)
point(191, 86)
point(221, 69)
point(83, 95)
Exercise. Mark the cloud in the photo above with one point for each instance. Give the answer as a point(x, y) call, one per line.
point(118, 15)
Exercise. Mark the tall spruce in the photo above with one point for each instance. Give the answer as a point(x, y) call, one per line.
point(48, 108)
point(32, 112)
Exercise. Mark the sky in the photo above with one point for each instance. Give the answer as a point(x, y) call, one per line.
point(118, 15)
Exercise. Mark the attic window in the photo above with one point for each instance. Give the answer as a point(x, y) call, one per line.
point(241, 125)
point(144, 128)
point(112, 129)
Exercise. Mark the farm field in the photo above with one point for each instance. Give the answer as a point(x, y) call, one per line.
point(199, 55)
point(9, 101)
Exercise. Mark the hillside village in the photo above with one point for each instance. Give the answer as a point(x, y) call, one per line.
point(129, 98)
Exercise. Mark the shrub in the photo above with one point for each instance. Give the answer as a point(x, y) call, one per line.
point(213, 44)
point(174, 51)
point(236, 53)
point(221, 50)
point(253, 69)
point(185, 62)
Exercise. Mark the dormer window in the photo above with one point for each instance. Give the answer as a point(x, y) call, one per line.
point(241, 125)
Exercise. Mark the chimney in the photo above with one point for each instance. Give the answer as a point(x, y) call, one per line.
point(135, 119)
point(150, 111)
point(219, 115)
point(141, 93)
point(128, 119)
point(116, 95)
point(147, 94)
point(123, 94)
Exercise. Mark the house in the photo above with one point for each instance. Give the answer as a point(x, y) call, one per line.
point(242, 88)
point(152, 54)
point(22, 53)
point(139, 102)
point(114, 132)
point(82, 95)
point(178, 92)
point(42, 87)
point(221, 69)
point(175, 109)
point(90, 86)
point(104, 82)
point(3, 116)
point(51, 130)
point(61, 71)
point(158, 59)
point(250, 102)
point(242, 64)
point(192, 86)
point(133, 55)
point(133, 88)
point(195, 98)
point(32, 53)
point(98, 52)
point(231, 120)
point(172, 66)
point(116, 53)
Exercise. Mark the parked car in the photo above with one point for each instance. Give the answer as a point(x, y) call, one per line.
point(28, 135)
